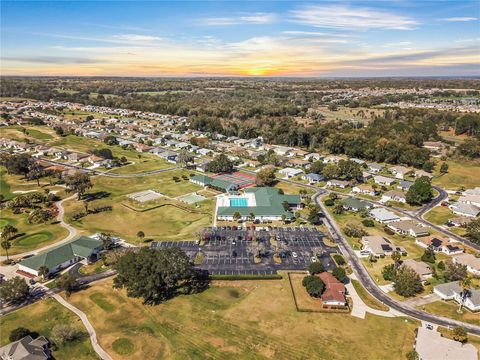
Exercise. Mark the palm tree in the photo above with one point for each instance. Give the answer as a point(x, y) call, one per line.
point(237, 216)
point(465, 285)
point(6, 245)
point(252, 216)
point(43, 271)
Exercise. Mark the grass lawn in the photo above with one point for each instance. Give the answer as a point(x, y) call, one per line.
point(367, 298)
point(42, 318)
point(460, 174)
point(143, 165)
point(32, 133)
point(291, 189)
point(163, 223)
point(233, 321)
point(304, 300)
point(449, 309)
point(31, 236)
point(439, 215)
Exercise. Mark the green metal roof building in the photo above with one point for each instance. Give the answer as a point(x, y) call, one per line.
point(269, 205)
point(62, 256)
point(220, 184)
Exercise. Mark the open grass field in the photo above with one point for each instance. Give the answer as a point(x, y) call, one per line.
point(439, 215)
point(42, 318)
point(30, 236)
point(237, 320)
point(449, 309)
point(292, 189)
point(460, 174)
point(31, 133)
point(162, 223)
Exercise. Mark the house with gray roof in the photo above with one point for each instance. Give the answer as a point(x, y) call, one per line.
point(383, 216)
point(404, 185)
point(61, 257)
point(356, 204)
point(465, 209)
point(453, 291)
point(26, 348)
point(312, 178)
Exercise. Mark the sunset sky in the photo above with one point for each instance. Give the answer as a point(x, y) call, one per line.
point(248, 38)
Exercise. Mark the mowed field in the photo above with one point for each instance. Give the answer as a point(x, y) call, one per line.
point(460, 174)
point(42, 317)
point(162, 223)
point(237, 320)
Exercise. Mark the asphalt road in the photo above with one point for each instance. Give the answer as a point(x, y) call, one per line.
point(372, 287)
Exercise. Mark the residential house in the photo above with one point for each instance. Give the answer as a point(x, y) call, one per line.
point(342, 184)
point(422, 269)
point(366, 176)
point(358, 161)
point(475, 191)
point(75, 156)
point(470, 199)
point(420, 173)
point(394, 195)
point(399, 171)
point(409, 227)
point(283, 150)
point(431, 345)
point(465, 209)
point(313, 157)
point(383, 216)
point(356, 204)
point(298, 163)
point(332, 159)
point(383, 180)
point(169, 156)
point(375, 168)
point(27, 348)
point(365, 189)
point(312, 178)
point(470, 261)
point(453, 291)
point(61, 257)
point(202, 166)
point(379, 246)
point(404, 185)
point(439, 245)
point(460, 221)
point(289, 173)
point(334, 294)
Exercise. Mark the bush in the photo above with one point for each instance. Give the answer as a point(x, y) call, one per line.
point(388, 230)
point(20, 333)
point(441, 265)
point(314, 285)
point(64, 333)
point(329, 202)
point(339, 273)
point(339, 259)
point(368, 223)
point(354, 231)
point(315, 268)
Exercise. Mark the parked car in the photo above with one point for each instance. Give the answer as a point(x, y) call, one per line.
point(294, 254)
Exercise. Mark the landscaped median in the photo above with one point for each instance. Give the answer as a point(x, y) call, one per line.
point(368, 299)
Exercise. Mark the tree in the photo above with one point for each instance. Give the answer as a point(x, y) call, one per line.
point(339, 273)
point(157, 275)
point(338, 209)
point(14, 290)
point(265, 177)
point(465, 284)
point(441, 265)
point(63, 333)
point(110, 140)
point(455, 271)
point(413, 355)
point(67, 283)
point(220, 164)
point(35, 172)
point(237, 216)
point(428, 255)
point(251, 216)
point(5, 246)
point(330, 171)
point(315, 268)
point(428, 166)
point(18, 164)
point(473, 231)
point(9, 232)
point(78, 182)
point(19, 333)
point(460, 334)
point(396, 256)
point(43, 271)
point(107, 241)
point(314, 215)
point(184, 158)
point(354, 230)
point(444, 168)
point(407, 282)
point(388, 272)
point(104, 153)
point(140, 235)
point(420, 192)
point(314, 285)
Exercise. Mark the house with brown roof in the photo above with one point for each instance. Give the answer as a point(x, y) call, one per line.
point(439, 245)
point(470, 261)
point(409, 227)
point(334, 294)
point(394, 195)
point(422, 269)
point(365, 189)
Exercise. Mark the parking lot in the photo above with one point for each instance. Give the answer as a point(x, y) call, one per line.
point(229, 250)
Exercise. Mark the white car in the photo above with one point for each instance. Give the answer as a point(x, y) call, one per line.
point(314, 259)
point(294, 254)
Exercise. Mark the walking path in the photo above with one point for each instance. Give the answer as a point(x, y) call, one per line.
point(72, 232)
point(91, 331)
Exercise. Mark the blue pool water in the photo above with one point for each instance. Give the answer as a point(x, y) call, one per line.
point(238, 202)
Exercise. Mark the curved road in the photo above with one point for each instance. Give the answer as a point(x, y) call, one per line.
point(373, 288)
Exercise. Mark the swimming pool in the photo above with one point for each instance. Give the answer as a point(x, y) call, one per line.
point(238, 202)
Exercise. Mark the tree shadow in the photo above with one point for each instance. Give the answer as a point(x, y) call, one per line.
point(96, 195)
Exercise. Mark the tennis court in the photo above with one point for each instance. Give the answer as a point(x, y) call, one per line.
point(243, 180)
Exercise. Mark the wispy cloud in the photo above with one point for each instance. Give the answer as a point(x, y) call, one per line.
point(135, 37)
point(347, 17)
point(254, 18)
point(53, 60)
point(313, 33)
point(460, 19)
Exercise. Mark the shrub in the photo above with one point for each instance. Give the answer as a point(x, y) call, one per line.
point(20, 333)
point(368, 223)
point(315, 268)
point(64, 333)
point(339, 259)
point(339, 273)
point(329, 202)
point(314, 285)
